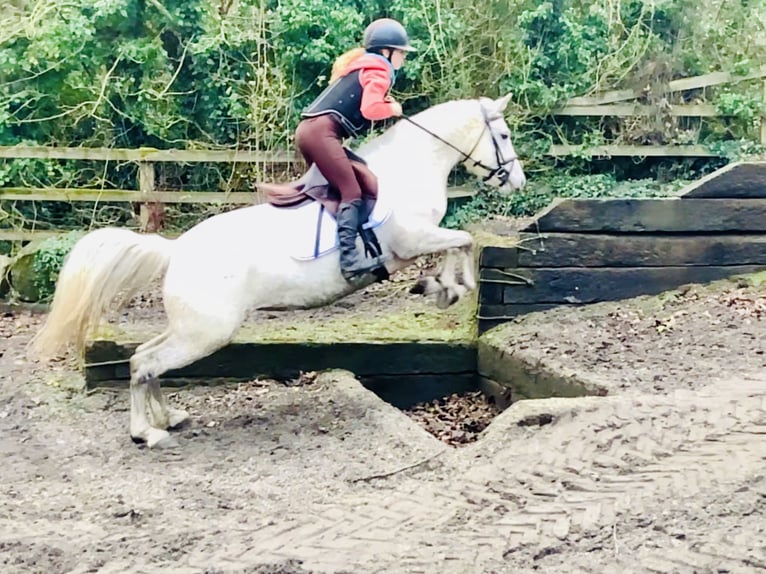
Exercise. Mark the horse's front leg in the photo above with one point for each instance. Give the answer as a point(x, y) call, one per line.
point(412, 238)
point(460, 256)
point(462, 259)
point(444, 283)
point(468, 277)
point(418, 238)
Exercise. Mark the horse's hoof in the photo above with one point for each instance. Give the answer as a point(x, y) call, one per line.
point(160, 422)
point(426, 286)
point(449, 296)
point(418, 288)
point(176, 417)
point(158, 438)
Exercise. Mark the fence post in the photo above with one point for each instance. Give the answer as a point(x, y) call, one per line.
point(151, 214)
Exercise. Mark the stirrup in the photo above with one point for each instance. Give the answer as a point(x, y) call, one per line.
point(364, 266)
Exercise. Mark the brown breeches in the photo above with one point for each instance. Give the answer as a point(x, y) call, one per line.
point(320, 141)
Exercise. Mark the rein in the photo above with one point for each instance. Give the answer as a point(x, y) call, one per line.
point(501, 171)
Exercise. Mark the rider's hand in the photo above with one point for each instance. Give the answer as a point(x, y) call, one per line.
point(396, 109)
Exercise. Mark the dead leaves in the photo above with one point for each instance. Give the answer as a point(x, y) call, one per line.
point(456, 419)
point(745, 303)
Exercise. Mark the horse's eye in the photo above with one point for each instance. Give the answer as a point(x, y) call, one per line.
point(505, 136)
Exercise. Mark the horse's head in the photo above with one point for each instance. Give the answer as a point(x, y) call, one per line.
point(493, 158)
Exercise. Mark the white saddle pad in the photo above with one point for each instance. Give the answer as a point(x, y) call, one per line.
point(313, 232)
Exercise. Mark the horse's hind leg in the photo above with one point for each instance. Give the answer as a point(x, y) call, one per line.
point(173, 351)
point(153, 342)
point(162, 415)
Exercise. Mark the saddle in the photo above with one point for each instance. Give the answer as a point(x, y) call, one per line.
point(313, 186)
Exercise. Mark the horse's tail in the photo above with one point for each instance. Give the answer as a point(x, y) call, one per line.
point(103, 270)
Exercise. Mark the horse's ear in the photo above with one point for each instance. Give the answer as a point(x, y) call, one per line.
point(502, 103)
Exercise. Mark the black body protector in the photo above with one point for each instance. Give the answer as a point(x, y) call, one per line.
point(342, 99)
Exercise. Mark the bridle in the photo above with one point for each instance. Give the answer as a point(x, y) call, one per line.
point(502, 171)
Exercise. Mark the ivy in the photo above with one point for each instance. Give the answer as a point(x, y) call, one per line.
point(541, 191)
point(217, 73)
point(49, 259)
point(200, 70)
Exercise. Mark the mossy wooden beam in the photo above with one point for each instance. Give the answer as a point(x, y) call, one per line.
point(106, 361)
point(739, 180)
point(652, 215)
point(601, 250)
point(590, 285)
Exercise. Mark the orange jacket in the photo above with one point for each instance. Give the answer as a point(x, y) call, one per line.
point(376, 76)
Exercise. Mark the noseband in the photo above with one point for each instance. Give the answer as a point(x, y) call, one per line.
point(502, 171)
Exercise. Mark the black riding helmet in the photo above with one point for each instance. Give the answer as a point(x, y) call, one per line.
point(386, 33)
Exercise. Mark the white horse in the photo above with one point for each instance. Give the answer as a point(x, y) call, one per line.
point(246, 258)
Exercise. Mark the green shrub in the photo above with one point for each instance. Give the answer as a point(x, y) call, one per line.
point(49, 259)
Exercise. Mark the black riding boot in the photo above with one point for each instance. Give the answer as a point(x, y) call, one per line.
point(351, 263)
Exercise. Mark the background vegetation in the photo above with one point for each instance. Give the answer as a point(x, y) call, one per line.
point(236, 73)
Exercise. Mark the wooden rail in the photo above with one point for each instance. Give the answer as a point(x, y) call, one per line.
point(129, 195)
point(150, 199)
point(147, 195)
point(627, 110)
point(606, 151)
point(617, 103)
point(147, 155)
point(680, 85)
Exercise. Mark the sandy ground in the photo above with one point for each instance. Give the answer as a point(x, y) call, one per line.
point(667, 473)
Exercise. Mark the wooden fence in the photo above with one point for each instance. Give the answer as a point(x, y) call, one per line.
point(619, 103)
point(625, 103)
point(145, 192)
